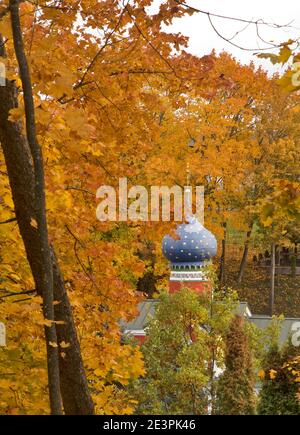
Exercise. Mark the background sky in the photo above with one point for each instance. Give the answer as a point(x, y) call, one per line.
point(203, 38)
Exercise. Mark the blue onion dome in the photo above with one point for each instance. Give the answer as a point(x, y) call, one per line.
point(194, 246)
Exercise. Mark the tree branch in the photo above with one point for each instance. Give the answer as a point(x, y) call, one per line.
point(256, 23)
point(8, 221)
point(226, 17)
point(91, 64)
point(80, 262)
point(80, 190)
point(149, 42)
point(25, 292)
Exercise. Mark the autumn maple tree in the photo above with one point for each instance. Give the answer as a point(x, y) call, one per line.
point(61, 106)
point(95, 91)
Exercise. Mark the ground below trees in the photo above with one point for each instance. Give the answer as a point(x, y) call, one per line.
point(255, 289)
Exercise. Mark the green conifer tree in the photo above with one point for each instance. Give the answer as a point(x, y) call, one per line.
point(235, 391)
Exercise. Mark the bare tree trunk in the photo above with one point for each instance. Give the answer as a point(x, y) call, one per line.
point(278, 266)
point(293, 262)
point(222, 273)
point(74, 387)
point(272, 276)
point(73, 382)
point(245, 255)
point(212, 382)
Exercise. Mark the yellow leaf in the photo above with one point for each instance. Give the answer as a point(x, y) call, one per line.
point(53, 344)
point(64, 345)
point(261, 374)
point(8, 200)
point(16, 114)
point(273, 374)
point(5, 27)
point(47, 322)
point(285, 54)
point(99, 372)
point(33, 223)
point(268, 221)
point(272, 57)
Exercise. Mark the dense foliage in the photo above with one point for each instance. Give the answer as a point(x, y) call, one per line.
point(278, 395)
point(185, 345)
point(235, 392)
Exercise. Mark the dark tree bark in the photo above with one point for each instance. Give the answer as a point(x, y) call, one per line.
point(245, 256)
point(73, 382)
point(222, 272)
point(20, 168)
point(272, 279)
point(278, 251)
